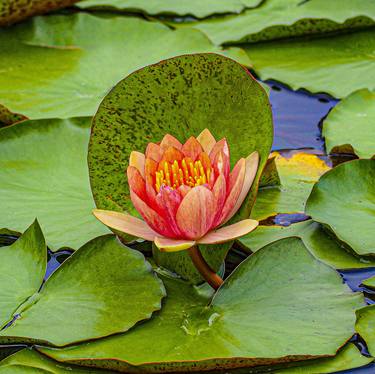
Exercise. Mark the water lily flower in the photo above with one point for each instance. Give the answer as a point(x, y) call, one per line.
point(185, 193)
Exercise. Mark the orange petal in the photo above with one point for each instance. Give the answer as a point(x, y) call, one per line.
point(220, 193)
point(220, 146)
point(126, 223)
point(236, 181)
point(251, 167)
point(152, 218)
point(221, 164)
point(136, 182)
point(151, 166)
point(207, 140)
point(205, 160)
point(192, 148)
point(172, 245)
point(196, 212)
point(170, 141)
point(170, 155)
point(230, 232)
point(154, 151)
point(137, 159)
point(183, 190)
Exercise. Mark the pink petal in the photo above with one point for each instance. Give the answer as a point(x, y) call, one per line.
point(154, 151)
point(152, 218)
point(221, 164)
point(137, 159)
point(172, 245)
point(196, 212)
point(207, 140)
point(136, 182)
point(251, 168)
point(220, 146)
point(192, 148)
point(170, 141)
point(236, 181)
point(230, 232)
point(126, 223)
point(220, 193)
point(183, 190)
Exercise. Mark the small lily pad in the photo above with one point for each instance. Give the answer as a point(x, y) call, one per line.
point(322, 245)
point(349, 127)
point(43, 173)
point(260, 316)
point(344, 200)
point(102, 289)
point(365, 326)
point(297, 174)
point(370, 282)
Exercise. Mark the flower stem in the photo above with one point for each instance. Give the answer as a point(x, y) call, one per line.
point(204, 269)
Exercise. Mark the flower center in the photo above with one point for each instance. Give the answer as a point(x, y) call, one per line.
point(180, 173)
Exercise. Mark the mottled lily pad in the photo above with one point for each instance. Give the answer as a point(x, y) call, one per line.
point(261, 315)
point(102, 289)
point(344, 200)
point(181, 96)
point(365, 326)
point(322, 245)
point(349, 127)
point(61, 66)
point(197, 8)
point(277, 19)
point(43, 173)
point(347, 55)
point(297, 174)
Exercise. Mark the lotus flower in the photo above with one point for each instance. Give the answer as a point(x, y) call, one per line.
point(184, 192)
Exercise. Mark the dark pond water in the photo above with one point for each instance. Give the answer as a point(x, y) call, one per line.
point(297, 118)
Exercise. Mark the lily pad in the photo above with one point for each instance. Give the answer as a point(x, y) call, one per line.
point(197, 8)
point(297, 174)
point(344, 200)
point(347, 55)
point(322, 245)
point(261, 315)
point(370, 282)
point(28, 361)
point(43, 173)
point(365, 326)
point(102, 289)
point(277, 19)
point(61, 66)
point(349, 127)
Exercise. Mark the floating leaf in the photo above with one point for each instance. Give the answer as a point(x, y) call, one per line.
point(344, 199)
point(349, 127)
point(323, 246)
point(298, 174)
point(365, 326)
point(43, 173)
point(370, 282)
point(277, 19)
point(102, 289)
point(197, 8)
point(347, 55)
point(261, 315)
point(180, 96)
point(61, 66)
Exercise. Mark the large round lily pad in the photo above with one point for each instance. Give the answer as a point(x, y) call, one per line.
point(349, 127)
point(316, 239)
point(102, 289)
point(261, 315)
point(344, 200)
point(43, 174)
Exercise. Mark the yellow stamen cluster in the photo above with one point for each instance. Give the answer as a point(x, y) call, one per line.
point(181, 173)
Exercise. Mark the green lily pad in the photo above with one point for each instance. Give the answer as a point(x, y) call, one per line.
point(43, 173)
point(191, 91)
point(102, 289)
point(277, 19)
point(322, 245)
point(365, 326)
point(28, 361)
point(23, 265)
point(261, 315)
point(344, 200)
point(349, 126)
point(297, 175)
point(61, 66)
point(347, 55)
point(370, 282)
point(197, 8)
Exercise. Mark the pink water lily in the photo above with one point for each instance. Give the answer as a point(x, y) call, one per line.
point(184, 192)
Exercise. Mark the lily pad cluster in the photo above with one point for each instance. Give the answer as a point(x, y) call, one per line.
point(83, 88)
